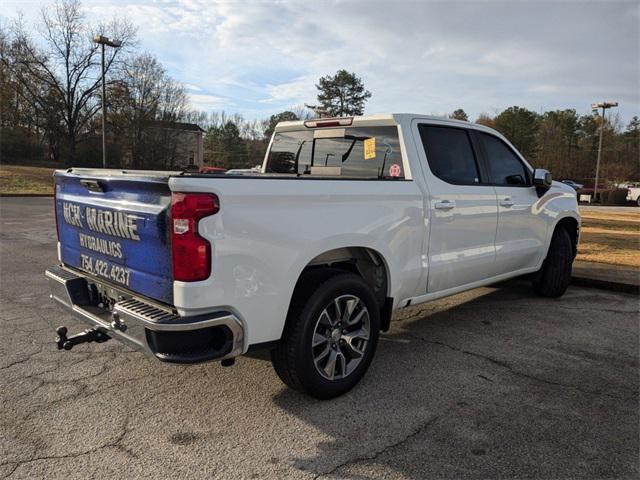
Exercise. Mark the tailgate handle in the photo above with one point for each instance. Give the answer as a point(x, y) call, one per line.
point(92, 185)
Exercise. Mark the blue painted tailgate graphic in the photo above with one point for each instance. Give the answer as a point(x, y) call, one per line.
point(116, 228)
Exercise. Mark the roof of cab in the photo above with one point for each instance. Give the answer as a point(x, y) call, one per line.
point(373, 120)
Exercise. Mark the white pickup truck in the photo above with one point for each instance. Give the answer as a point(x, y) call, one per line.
point(633, 193)
point(349, 220)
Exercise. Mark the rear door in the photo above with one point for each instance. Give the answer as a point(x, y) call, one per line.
point(521, 230)
point(463, 214)
point(115, 228)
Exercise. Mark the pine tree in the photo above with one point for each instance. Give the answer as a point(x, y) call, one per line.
point(342, 94)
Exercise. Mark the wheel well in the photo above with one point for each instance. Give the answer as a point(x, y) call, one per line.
point(367, 264)
point(570, 224)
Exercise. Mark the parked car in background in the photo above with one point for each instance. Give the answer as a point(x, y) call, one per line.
point(572, 184)
point(347, 220)
point(633, 193)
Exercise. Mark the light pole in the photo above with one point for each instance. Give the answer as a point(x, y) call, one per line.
point(102, 40)
point(595, 107)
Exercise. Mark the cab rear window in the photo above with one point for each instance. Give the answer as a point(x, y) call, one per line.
point(356, 152)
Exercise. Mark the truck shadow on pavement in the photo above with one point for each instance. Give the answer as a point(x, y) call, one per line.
point(492, 382)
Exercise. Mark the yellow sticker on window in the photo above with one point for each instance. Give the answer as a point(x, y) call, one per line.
point(370, 148)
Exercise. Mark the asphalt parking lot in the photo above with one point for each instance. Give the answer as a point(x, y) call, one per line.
point(490, 383)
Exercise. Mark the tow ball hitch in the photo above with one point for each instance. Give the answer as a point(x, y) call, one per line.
point(89, 335)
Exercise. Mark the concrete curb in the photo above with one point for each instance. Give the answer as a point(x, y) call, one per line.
point(606, 285)
point(607, 277)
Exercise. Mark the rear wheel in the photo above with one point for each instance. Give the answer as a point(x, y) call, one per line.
point(555, 275)
point(330, 336)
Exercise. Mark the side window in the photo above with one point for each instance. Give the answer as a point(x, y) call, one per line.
point(450, 154)
point(505, 167)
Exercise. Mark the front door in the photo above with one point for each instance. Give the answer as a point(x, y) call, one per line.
point(521, 230)
point(463, 213)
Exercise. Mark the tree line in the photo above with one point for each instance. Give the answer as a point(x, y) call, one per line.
point(50, 109)
point(566, 143)
point(562, 141)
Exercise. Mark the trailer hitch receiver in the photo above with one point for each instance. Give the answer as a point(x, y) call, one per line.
point(89, 335)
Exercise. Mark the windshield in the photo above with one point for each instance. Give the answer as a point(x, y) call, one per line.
point(361, 152)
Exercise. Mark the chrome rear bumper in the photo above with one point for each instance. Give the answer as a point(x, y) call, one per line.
point(146, 327)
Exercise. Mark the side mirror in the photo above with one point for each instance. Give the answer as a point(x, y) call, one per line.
point(542, 178)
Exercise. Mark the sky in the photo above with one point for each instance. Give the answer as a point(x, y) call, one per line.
point(260, 58)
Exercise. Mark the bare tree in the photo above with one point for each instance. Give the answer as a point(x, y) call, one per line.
point(135, 103)
point(67, 67)
point(27, 109)
point(146, 101)
point(303, 112)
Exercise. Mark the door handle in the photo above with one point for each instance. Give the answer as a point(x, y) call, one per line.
point(507, 202)
point(445, 204)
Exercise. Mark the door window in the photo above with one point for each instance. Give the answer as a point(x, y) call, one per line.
point(504, 166)
point(450, 155)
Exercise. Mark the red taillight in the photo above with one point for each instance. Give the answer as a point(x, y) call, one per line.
point(331, 122)
point(191, 253)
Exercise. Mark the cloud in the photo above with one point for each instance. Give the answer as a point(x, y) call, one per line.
point(545, 88)
point(301, 89)
point(207, 102)
point(432, 57)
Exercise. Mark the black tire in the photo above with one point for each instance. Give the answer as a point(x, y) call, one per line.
point(293, 358)
point(555, 275)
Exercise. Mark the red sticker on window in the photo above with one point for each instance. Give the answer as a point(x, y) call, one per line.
point(394, 170)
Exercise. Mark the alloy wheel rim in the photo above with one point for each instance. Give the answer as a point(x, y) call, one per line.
point(340, 337)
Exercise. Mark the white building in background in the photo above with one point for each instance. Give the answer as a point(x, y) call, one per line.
point(187, 140)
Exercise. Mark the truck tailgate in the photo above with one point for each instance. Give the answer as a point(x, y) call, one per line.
point(115, 228)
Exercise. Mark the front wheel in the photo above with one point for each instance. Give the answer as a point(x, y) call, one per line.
point(330, 336)
point(555, 275)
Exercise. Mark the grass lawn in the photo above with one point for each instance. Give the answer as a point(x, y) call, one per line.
point(610, 237)
point(26, 179)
